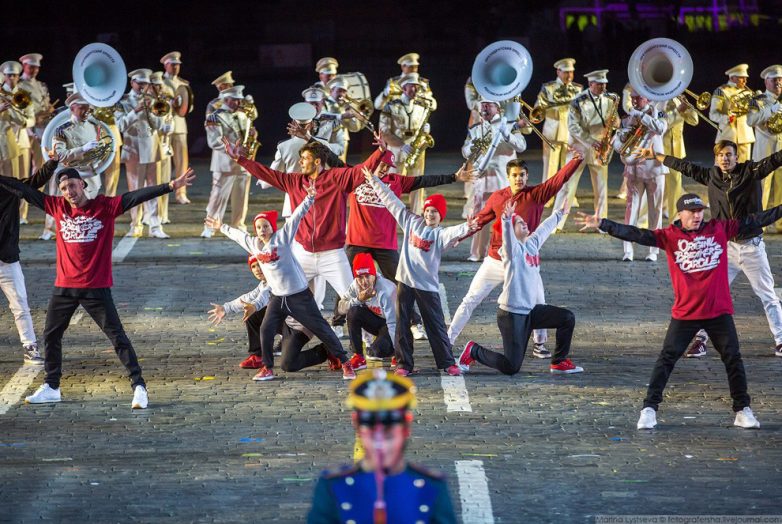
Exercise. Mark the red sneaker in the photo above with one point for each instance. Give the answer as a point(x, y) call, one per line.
point(334, 363)
point(393, 362)
point(697, 349)
point(264, 374)
point(252, 362)
point(402, 372)
point(565, 367)
point(465, 360)
point(357, 362)
point(347, 371)
point(454, 371)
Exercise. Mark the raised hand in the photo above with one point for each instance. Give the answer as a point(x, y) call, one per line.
point(249, 310)
point(380, 142)
point(587, 221)
point(467, 173)
point(367, 174)
point(311, 191)
point(184, 180)
point(234, 150)
point(213, 223)
point(217, 314)
point(472, 223)
point(508, 210)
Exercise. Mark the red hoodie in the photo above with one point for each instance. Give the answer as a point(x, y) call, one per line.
point(323, 228)
point(530, 202)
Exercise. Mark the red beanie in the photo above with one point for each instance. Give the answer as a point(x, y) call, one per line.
point(271, 216)
point(437, 201)
point(388, 158)
point(364, 264)
point(252, 259)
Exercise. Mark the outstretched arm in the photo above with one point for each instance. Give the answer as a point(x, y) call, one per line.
point(139, 196)
point(544, 192)
point(22, 190)
point(644, 237)
point(389, 199)
point(761, 219)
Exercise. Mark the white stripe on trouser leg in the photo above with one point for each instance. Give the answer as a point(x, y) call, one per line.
point(16, 387)
point(474, 492)
point(455, 394)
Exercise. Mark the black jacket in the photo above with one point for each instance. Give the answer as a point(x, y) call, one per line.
point(732, 195)
point(9, 213)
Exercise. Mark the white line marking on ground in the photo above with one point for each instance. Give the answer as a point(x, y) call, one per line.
point(122, 249)
point(444, 304)
point(15, 388)
point(474, 492)
point(455, 393)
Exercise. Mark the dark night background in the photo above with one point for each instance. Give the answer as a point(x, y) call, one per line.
point(370, 36)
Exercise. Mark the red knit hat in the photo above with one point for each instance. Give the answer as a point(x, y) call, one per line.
point(271, 216)
point(364, 264)
point(388, 158)
point(437, 201)
point(252, 259)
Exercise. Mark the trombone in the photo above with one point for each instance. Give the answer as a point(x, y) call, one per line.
point(363, 110)
point(702, 101)
point(19, 100)
point(535, 116)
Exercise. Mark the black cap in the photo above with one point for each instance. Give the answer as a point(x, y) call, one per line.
point(689, 201)
point(67, 173)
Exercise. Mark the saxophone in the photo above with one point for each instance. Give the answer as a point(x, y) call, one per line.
point(604, 150)
point(422, 139)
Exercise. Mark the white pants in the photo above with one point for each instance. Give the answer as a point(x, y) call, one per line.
point(654, 189)
point(181, 158)
point(12, 284)
point(489, 276)
point(233, 185)
point(164, 177)
point(143, 175)
point(599, 175)
point(332, 265)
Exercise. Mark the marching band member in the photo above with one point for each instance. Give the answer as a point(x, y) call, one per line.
point(678, 111)
point(400, 122)
point(768, 142)
point(324, 127)
point(588, 121)
point(159, 89)
point(172, 62)
point(326, 68)
point(14, 123)
point(409, 64)
point(555, 98)
point(42, 106)
point(494, 177)
point(141, 149)
point(222, 82)
point(344, 117)
point(227, 122)
point(729, 104)
point(643, 127)
point(77, 137)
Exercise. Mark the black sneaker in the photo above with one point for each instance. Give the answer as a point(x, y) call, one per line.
point(540, 351)
point(32, 356)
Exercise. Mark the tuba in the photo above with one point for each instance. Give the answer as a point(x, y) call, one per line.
point(100, 77)
point(661, 69)
point(500, 72)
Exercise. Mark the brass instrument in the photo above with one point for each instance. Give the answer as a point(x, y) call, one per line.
point(604, 149)
point(105, 114)
point(250, 142)
point(774, 123)
point(538, 113)
point(738, 104)
point(633, 137)
point(248, 108)
point(697, 105)
point(702, 101)
point(479, 146)
point(422, 140)
point(185, 94)
point(19, 99)
point(394, 89)
point(363, 110)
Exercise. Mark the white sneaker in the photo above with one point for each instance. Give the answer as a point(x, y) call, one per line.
point(651, 257)
point(628, 257)
point(140, 398)
point(419, 333)
point(207, 232)
point(648, 419)
point(135, 231)
point(746, 419)
point(540, 351)
point(44, 395)
point(22, 221)
point(46, 235)
point(157, 232)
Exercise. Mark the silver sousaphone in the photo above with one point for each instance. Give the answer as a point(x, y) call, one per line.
point(100, 77)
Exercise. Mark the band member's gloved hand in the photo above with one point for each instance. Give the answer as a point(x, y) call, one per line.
point(427, 127)
point(407, 149)
point(89, 146)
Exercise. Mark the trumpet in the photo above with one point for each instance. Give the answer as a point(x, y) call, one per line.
point(536, 115)
point(161, 103)
point(19, 100)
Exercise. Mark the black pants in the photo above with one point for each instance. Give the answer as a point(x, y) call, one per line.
point(434, 323)
point(722, 332)
point(253, 326)
point(516, 329)
point(100, 306)
point(293, 358)
point(360, 317)
point(387, 260)
point(303, 308)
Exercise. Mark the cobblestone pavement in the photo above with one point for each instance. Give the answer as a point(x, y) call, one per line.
point(216, 447)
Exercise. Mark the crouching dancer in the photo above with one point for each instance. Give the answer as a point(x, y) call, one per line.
point(290, 295)
point(253, 307)
point(418, 282)
point(84, 273)
point(698, 263)
point(522, 304)
point(369, 305)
